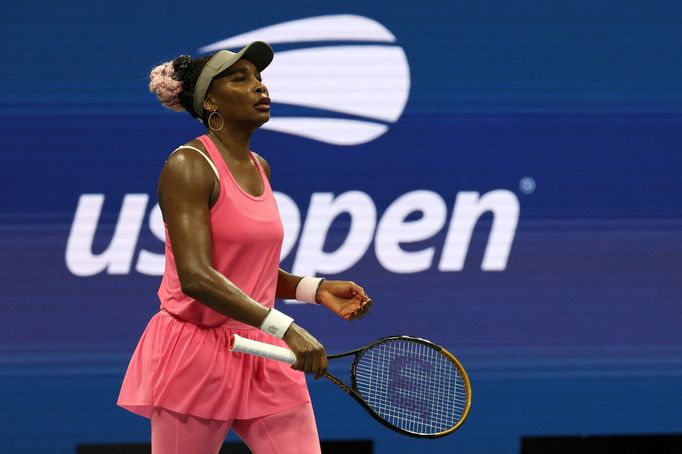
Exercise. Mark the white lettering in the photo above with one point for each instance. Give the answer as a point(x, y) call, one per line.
point(148, 262)
point(310, 258)
point(467, 210)
point(118, 256)
point(324, 208)
point(392, 230)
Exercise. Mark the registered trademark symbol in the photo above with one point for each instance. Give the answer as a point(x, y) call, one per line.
point(527, 185)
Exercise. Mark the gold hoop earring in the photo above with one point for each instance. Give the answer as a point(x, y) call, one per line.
point(222, 122)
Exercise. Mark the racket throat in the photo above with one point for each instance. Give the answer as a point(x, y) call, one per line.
point(338, 383)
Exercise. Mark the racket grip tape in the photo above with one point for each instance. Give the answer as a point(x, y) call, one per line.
point(240, 344)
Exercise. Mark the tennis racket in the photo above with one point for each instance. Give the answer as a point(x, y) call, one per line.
point(410, 385)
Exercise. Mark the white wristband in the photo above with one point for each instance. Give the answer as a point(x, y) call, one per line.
point(276, 323)
point(307, 288)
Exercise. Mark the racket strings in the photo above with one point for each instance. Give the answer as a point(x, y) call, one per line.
point(412, 386)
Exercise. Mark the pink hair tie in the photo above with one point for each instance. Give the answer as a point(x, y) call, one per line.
point(166, 88)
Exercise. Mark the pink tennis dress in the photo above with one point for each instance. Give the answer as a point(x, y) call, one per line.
point(182, 362)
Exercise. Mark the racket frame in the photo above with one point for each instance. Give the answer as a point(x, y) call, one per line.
point(355, 394)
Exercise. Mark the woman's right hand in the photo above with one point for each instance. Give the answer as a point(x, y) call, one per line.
point(310, 354)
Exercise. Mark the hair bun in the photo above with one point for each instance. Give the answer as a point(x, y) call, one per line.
point(182, 65)
point(166, 87)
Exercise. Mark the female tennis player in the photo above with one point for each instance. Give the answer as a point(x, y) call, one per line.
point(223, 240)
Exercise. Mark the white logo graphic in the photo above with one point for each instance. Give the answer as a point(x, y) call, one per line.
point(367, 81)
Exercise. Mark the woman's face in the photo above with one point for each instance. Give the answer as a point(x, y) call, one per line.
point(239, 95)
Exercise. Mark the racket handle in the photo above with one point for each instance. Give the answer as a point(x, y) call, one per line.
point(242, 345)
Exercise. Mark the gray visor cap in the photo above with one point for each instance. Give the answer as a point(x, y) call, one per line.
point(258, 53)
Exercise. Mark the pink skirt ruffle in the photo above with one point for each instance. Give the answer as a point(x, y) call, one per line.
point(188, 369)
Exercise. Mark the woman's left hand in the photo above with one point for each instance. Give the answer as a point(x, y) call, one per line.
point(346, 299)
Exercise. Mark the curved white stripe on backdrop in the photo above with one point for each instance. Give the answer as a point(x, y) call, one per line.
point(339, 27)
point(335, 131)
point(368, 81)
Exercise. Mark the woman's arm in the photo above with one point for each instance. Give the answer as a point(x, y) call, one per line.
point(345, 298)
point(286, 285)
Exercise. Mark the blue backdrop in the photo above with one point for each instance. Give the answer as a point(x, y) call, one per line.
point(502, 177)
